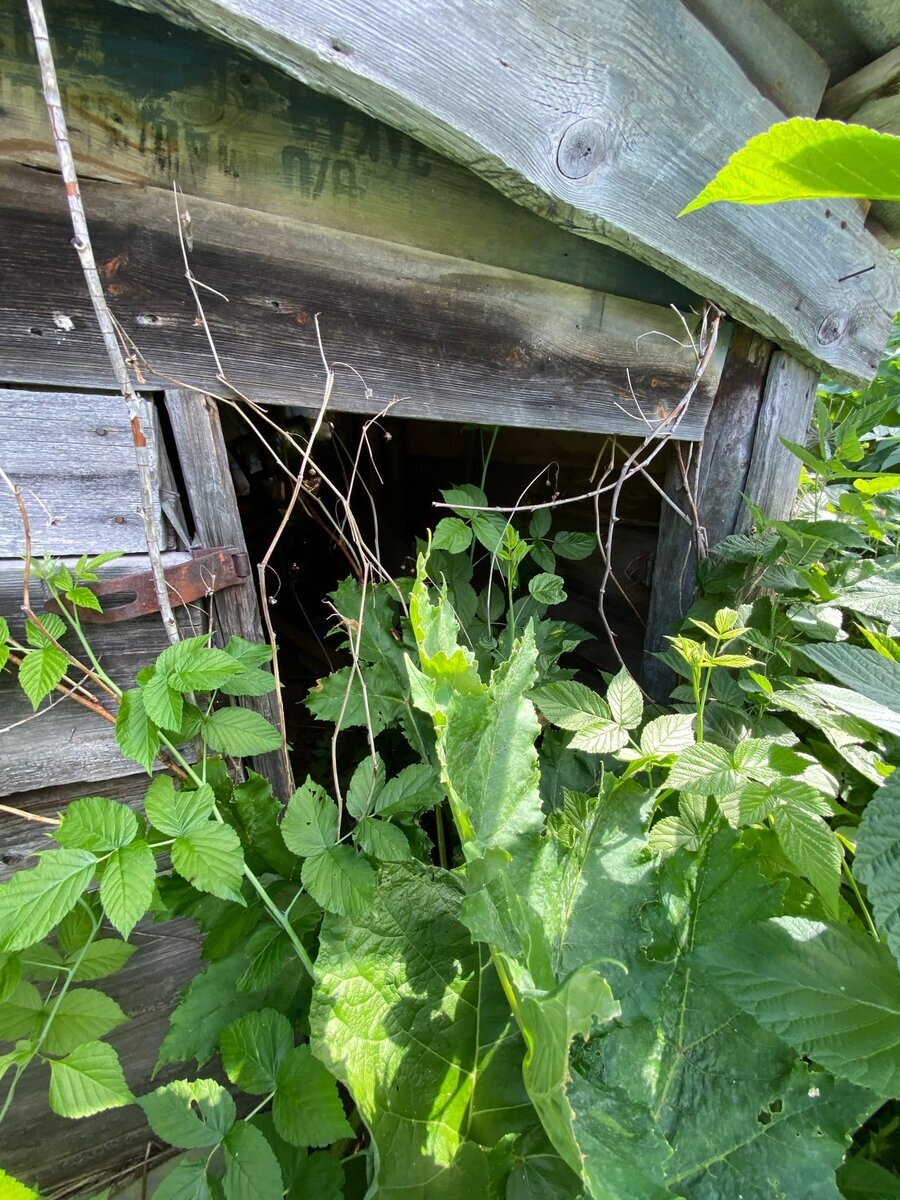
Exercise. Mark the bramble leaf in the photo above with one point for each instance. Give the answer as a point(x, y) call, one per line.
point(82, 1015)
point(136, 734)
point(210, 858)
point(96, 823)
point(126, 886)
point(251, 1168)
point(32, 902)
point(340, 880)
point(307, 1109)
point(190, 1114)
point(40, 671)
point(87, 1081)
point(877, 862)
point(239, 731)
point(253, 1049)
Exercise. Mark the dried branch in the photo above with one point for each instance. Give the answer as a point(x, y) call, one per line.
point(138, 408)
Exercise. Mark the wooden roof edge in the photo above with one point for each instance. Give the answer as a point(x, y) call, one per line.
point(606, 123)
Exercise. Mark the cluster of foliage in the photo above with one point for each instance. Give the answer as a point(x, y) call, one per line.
point(654, 953)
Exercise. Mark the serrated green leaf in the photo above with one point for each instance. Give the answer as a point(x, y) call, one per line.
point(88, 1081)
point(40, 671)
point(830, 992)
point(251, 1168)
point(190, 1114)
point(33, 901)
point(248, 654)
point(239, 731)
point(12, 1189)
point(210, 858)
point(83, 597)
point(877, 861)
point(177, 813)
point(865, 671)
point(804, 159)
point(96, 823)
point(10, 974)
point(163, 703)
point(539, 524)
point(383, 694)
point(667, 734)
point(136, 734)
point(340, 880)
point(382, 841)
point(310, 823)
point(103, 957)
point(55, 628)
point(22, 1013)
point(811, 846)
point(413, 791)
point(574, 546)
point(685, 829)
point(705, 770)
point(365, 784)
point(599, 737)
point(570, 705)
point(253, 1049)
point(192, 665)
point(126, 886)
point(451, 534)
point(307, 1109)
point(258, 820)
point(186, 1181)
point(626, 704)
point(547, 588)
point(82, 1015)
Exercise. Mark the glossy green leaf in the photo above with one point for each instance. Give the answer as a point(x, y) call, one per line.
point(803, 159)
point(40, 671)
point(88, 1081)
point(830, 992)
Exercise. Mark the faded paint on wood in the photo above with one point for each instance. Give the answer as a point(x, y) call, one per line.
point(149, 105)
point(72, 457)
point(608, 123)
point(66, 743)
point(727, 456)
point(452, 339)
point(217, 522)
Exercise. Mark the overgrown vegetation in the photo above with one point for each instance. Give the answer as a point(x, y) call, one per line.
point(544, 939)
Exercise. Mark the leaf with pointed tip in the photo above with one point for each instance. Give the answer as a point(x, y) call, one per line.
point(310, 823)
point(82, 1015)
point(210, 858)
point(307, 1109)
point(811, 847)
point(239, 732)
point(340, 880)
point(126, 885)
point(88, 1081)
point(253, 1049)
point(136, 733)
point(190, 1114)
point(96, 823)
point(251, 1168)
point(34, 901)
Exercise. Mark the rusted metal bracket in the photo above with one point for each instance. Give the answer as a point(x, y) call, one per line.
point(130, 596)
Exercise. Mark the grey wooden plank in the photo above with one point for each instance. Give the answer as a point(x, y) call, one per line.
point(608, 122)
point(217, 521)
point(845, 33)
point(727, 450)
point(230, 128)
point(784, 68)
point(453, 340)
point(67, 743)
point(48, 1151)
point(72, 457)
point(785, 412)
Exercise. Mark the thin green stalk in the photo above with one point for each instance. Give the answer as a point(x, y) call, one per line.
point(863, 907)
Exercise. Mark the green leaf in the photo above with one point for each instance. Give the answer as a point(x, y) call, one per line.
point(248, 654)
point(22, 1013)
point(704, 770)
point(175, 813)
point(88, 1081)
point(186, 1181)
point(32, 902)
point(340, 880)
point(366, 783)
point(258, 816)
point(253, 1049)
point(310, 823)
point(625, 701)
point(307, 1109)
point(96, 823)
point(599, 737)
point(547, 588)
point(40, 671)
point(239, 731)
point(828, 991)
point(865, 671)
point(163, 703)
point(83, 1015)
point(570, 705)
point(685, 829)
point(103, 957)
point(55, 628)
point(210, 858)
point(452, 535)
point(191, 665)
point(803, 159)
point(382, 841)
point(574, 546)
point(126, 886)
point(251, 1168)
point(136, 734)
point(877, 862)
point(190, 1114)
point(539, 525)
point(667, 734)
point(413, 791)
point(12, 1189)
point(83, 597)
point(811, 846)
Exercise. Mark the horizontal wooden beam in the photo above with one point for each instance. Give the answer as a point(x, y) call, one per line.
point(608, 122)
point(449, 339)
point(228, 127)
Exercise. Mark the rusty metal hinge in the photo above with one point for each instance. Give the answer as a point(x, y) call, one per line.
point(128, 596)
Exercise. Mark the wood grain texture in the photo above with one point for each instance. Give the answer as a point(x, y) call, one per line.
point(727, 451)
point(149, 105)
point(454, 340)
point(217, 522)
point(67, 743)
point(786, 411)
point(846, 33)
point(72, 457)
point(641, 96)
point(782, 67)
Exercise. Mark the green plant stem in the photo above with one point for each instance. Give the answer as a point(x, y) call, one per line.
point(863, 907)
point(441, 836)
point(262, 1104)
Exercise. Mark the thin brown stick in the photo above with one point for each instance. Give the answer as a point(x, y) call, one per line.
point(138, 408)
point(28, 816)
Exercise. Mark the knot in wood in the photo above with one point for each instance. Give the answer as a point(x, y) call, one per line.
point(582, 149)
point(831, 329)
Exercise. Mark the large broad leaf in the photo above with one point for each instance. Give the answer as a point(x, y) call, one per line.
point(828, 991)
point(253, 1048)
point(190, 1113)
point(410, 1016)
point(802, 159)
point(866, 671)
point(87, 1081)
point(877, 862)
point(307, 1109)
point(36, 900)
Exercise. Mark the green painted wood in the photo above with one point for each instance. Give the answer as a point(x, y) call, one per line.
point(151, 104)
point(607, 122)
